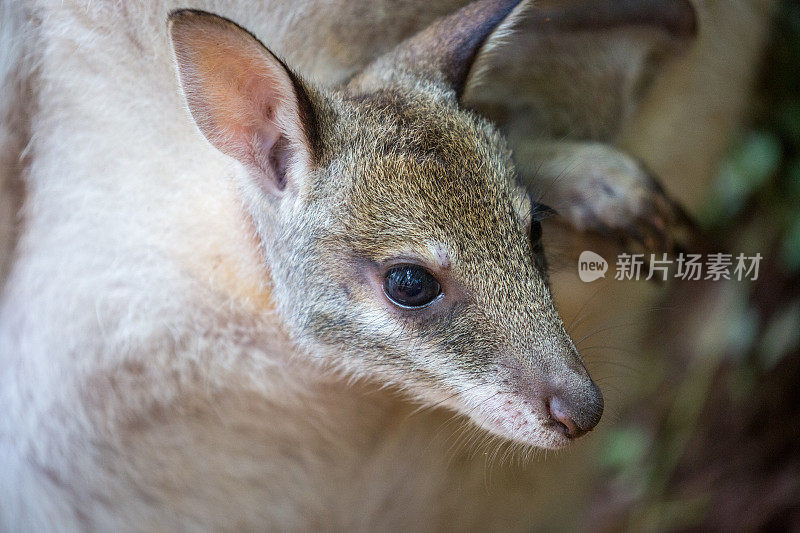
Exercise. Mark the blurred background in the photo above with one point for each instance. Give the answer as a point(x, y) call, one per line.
point(702, 379)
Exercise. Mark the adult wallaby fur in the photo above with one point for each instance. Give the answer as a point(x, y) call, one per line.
point(194, 332)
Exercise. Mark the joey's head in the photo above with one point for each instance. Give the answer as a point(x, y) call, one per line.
point(399, 245)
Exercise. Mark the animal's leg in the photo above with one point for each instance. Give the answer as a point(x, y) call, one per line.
point(597, 188)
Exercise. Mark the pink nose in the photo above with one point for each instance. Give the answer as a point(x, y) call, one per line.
point(576, 420)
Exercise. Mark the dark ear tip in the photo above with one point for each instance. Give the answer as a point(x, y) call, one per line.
point(182, 14)
point(185, 13)
point(178, 19)
point(185, 16)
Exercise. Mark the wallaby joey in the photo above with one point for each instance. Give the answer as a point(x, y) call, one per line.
point(398, 244)
point(236, 278)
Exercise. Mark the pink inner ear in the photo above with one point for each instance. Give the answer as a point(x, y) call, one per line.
point(241, 97)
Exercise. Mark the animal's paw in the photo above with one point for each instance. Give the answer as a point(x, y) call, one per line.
point(599, 189)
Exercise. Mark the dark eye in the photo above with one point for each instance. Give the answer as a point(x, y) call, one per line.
point(536, 244)
point(410, 286)
point(536, 233)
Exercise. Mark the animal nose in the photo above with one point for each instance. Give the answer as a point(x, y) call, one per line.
point(576, 417)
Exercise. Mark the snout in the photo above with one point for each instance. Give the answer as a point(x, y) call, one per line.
point(547, 408)
point(575, 414)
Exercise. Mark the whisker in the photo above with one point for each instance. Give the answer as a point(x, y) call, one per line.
point(578, 316)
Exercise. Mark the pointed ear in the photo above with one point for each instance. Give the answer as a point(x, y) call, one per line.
point(245, 101)
point(445, 52)
point(577, 69)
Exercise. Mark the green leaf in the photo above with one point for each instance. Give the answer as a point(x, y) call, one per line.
point(790, 247)
point(750, 165)
point(625, 446)
point(788, 119)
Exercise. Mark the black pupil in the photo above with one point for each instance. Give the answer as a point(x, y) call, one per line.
point(410, 286)
point(538, 250)
point(536, 233)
